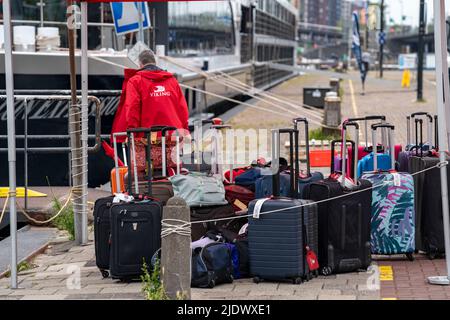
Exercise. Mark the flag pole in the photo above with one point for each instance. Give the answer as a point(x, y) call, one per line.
point(443, 107)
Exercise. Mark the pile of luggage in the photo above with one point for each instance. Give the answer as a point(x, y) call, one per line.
point(274, 221)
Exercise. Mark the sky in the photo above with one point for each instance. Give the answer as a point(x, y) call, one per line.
point(410, 10)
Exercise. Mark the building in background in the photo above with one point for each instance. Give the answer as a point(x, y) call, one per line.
point(320, 25)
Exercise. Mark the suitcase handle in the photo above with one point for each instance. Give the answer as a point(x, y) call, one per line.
point(366, 120)
point(436, 132)
point(391, 144)
point(276, 143)
point(419, 144)
point(116, 157)
point(132, 156)
point(333, 151)
point(308, 158)
point(355, 151)
point(429, 123)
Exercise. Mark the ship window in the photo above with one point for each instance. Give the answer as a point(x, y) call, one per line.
point(200, 28)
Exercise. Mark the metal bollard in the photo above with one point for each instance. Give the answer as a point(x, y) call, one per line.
point(176, 250)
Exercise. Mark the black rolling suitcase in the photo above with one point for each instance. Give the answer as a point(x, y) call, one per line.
point(282, 244)
point(344, 223)
point(135, 228)
point(429, 218)
point(102, 233)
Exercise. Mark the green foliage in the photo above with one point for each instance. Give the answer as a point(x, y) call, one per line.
point(22, 266)
point(151, 283)
point(320, 135)
point(65, 221)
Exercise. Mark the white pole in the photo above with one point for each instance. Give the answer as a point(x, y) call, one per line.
point(9, 79)
point(443, 108)
point(84, 118)
point(141, 22)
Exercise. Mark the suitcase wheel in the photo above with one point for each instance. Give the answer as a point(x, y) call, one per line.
point(256, 280)
point(410, 256)
point(297, 281)
point(326, 271)
point(432, 255)
point(211, 284)
point(231, 279)
point(105, 274)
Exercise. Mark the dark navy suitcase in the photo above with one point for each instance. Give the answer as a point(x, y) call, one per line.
point(280, 241)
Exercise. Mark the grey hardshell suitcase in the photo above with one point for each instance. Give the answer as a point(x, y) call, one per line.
point(280, 242)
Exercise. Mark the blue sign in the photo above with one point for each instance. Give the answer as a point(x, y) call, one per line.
point(126, 16)
point(382, 38)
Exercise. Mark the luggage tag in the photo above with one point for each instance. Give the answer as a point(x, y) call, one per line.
point(240, 205)
point(311, 259)
point(258, 207)
point(397, 179)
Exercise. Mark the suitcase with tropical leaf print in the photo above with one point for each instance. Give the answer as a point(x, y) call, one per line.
point(393, 212)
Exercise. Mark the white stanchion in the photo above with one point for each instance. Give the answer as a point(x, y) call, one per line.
point(443, 108)
point(9, 79)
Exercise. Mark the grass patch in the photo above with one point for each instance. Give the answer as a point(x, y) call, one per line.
point(320, 135)
point(65, 221)
point(151, 283)
point(21, 267)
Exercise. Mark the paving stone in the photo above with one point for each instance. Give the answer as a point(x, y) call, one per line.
point(44, 297)
point(129, 296)
point(119, 290)
point(26, 292)
point(337, 297)
point(67, 291)
point(256, 287)
point(257, 292)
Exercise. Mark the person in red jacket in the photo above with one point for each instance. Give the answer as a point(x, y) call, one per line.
point(154, 98)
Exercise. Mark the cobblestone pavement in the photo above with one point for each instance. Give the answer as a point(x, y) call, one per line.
point(405, 280)
point(53, 277)
point(67, 272)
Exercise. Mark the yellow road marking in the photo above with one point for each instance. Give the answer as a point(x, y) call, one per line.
point(389, 299)
point(386, 273)
point(20, 193)
point(352, 93)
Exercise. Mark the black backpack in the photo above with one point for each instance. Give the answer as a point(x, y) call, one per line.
point(211, 265)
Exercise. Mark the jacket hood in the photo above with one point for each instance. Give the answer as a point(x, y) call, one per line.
point(155, 75)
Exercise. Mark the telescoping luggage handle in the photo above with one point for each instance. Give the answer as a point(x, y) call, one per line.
point(391, 129)
point(217, 167)
point(333, 152)
point(355, 149)
point(382, 119)
point(419, 141)
point(116, 157)
point(132, 154)
point(198, 127)
point(293, 139)
point(415, 115)
point(297, 157)
point(436, 132)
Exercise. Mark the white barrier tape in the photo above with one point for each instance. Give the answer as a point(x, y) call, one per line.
point(318, 202)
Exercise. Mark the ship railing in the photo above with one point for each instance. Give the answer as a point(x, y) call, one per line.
point(51, 150)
